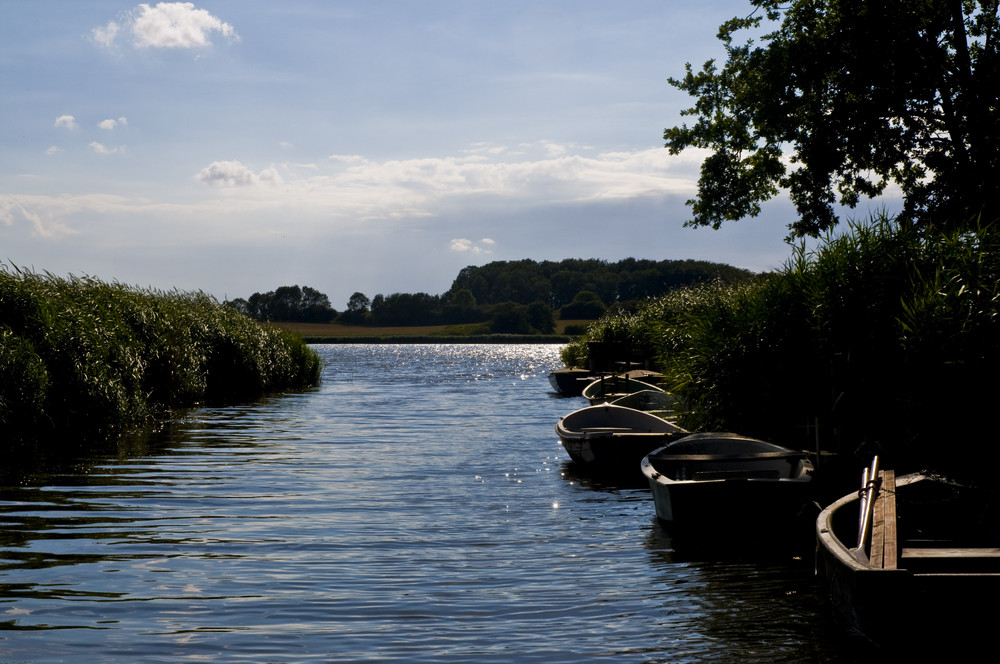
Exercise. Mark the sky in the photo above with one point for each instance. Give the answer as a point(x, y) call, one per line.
point(235, 146)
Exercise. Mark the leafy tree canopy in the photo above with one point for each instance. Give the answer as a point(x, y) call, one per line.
point(557, 284)
point(858, 94)
point(287, 303)
point(358, 303)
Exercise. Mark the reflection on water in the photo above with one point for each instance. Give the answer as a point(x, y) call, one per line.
point(416, 507)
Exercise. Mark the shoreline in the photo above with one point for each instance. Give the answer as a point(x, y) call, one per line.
point(334, 333)
point(472, 339)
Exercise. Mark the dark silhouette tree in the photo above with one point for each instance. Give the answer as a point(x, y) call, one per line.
point(858, 94)
point(287, 303)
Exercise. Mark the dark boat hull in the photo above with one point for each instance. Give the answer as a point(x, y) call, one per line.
point(570, 382)
point(613, 439)
point(721, 488)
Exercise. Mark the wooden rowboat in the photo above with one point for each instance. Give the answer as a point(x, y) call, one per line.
point(913, 562)
point(613, 438)
point(656, 402)
point(723, 487)
point(570, 382)
point(610, 388)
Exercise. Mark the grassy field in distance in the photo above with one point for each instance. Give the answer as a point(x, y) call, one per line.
point(314, 330)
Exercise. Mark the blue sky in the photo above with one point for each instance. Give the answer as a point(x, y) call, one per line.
point(234, 146)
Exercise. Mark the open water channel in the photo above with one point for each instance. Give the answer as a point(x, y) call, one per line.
point(416, 507)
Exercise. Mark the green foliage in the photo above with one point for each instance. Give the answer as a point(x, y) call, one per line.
point(882, 340)
point(864, 94)
point(358, 303)
point(580, 287)
point(513, 318)
point(539, 317)
point(559, 284)
point(85, 356)
point(585, 305)
point(288, 303)
point(406, 309)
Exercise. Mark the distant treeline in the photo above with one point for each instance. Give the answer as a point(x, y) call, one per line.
point(559, 284)
point(514, 297)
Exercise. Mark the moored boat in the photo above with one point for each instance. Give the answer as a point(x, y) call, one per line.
point(570, 382)
point(609, 388)
point(913, 562)
point(613, 438)
point(727, 487)
point(656, 402)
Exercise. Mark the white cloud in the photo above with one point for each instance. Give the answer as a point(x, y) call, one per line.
point(100, 148)
point(555, 150)
point(55, 149)
point(44, 215)
point(111, 123)
point(165, 25)
point(352, 186)
point(66, 121)
point(461, 244)
point(235, 174)
point(106, 36)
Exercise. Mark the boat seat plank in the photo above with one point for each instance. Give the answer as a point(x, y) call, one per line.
point(890, 538)
point(728, 457)
point(884, 544)
point(877, 557)
point(950, 552)
point(951, 560)
point(736, 474)
point(612, 430)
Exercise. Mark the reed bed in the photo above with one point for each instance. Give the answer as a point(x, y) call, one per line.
point(883, 339)
point(80, 357)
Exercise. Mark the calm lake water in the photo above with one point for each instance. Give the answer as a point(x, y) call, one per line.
point(417, 507)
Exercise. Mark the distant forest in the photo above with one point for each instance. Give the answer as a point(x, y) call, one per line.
point(519, 297)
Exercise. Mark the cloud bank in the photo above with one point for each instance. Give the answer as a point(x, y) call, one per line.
point(344, 191)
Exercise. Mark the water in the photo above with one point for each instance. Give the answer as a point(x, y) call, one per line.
point(416, 507)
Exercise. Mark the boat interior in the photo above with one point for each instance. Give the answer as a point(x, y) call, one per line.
point(929, 526)
point(726, 457)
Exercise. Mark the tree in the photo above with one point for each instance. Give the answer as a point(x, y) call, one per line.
point(864, 93)
point(585, 306)
point(358, 304)
point(539, 316)
point(287, 303)
point(316, 307)
point(357, 309)
point(510, 318)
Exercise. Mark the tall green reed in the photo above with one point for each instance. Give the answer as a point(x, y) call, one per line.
point(882, 339)
point(82, 356)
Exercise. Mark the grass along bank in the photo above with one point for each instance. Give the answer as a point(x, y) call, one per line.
point(473, 333)
point(80, 357)
point(883, 340)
